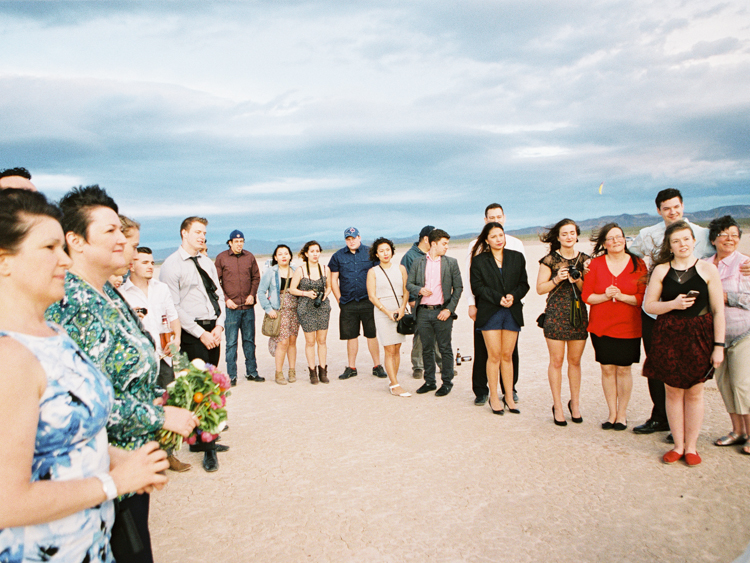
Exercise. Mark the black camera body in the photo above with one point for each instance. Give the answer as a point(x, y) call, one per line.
point(318, 301)
point(574, 273)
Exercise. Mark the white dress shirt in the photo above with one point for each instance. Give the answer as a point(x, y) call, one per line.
point(158, 303)
point(188, 292)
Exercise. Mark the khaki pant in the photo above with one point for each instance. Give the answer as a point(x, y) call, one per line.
point(733, 377)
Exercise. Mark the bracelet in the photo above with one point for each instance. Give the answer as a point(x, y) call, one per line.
point(719, 344)
point(108, 485)
point(554, 282)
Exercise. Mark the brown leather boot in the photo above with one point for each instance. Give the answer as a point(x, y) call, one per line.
point(292, 375)
point(323, 374)
point(313, 375)
point(280, 378)
point(176, 465)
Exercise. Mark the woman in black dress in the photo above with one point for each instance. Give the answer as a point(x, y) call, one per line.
point(561, 276)
point(688, 337)
point(498, 281)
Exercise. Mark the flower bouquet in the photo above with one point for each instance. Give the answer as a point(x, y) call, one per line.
point(202, 389)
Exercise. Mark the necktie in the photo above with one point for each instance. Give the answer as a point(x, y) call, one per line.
point(210, 286)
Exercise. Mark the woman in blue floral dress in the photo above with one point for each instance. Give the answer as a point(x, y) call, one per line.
point(58, 475)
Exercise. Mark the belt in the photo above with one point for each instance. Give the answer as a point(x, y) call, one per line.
point(431, 307)
point(203, 323)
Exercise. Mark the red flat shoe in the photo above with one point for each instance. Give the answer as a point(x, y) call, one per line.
point(693, 459)
point(672, 457)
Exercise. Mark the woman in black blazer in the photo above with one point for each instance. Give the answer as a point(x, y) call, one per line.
point(498, 282)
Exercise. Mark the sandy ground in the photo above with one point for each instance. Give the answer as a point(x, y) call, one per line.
point(346, 472)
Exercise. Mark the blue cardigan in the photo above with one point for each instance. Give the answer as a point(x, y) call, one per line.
point(269, 295)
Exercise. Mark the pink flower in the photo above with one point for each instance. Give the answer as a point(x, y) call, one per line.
point(192, 439)
point(223, 401)
point(207, 437)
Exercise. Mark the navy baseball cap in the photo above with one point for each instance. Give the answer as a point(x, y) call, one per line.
point(236, 234)
point(351, 232)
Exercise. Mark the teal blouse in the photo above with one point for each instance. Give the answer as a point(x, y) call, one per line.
point(109, 332)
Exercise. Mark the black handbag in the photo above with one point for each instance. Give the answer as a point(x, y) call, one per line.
point(408, 323)
point(540, 320)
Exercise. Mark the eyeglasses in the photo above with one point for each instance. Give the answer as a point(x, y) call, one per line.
point(615, 238)
point(728, 235)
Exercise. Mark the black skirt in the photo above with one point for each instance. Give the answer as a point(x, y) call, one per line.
point(611, 351)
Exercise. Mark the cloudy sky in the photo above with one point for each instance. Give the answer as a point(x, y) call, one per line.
point(294, 120)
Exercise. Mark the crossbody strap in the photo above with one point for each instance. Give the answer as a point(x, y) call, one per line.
point(391, 284)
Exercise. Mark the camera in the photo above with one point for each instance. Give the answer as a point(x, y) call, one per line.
point(574, 273)
point(318, 301)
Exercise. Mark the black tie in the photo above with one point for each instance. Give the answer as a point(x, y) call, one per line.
point(210, 286)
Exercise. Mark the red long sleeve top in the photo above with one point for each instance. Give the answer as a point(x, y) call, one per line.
point(615, 319)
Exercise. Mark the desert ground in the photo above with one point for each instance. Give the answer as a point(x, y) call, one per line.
point(346, 472)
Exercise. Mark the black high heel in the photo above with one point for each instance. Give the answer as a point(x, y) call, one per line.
point(500, 412)
point(558, 422)
point(578, 420)
point(514, 411)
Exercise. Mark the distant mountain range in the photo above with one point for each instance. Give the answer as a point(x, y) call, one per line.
point(626, 221)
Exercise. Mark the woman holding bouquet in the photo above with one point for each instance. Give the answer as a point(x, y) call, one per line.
point(311, 283)
point(59, 475)
point(275, 298)
point(100, 321)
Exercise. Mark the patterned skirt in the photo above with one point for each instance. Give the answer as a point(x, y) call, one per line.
point(680, 354)
point(289, 325)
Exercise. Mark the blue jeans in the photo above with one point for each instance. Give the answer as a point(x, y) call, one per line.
point(240, 321)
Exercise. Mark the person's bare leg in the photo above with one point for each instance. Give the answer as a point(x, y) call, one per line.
point(282, 348)
point(291, 353)
point(391, 367)
point(676, 416)
point(492, 341)
point(609, 386)
point(554, 373)
point(374, 348)
point(624, 387)
point(352, 347)
point(321, 336)
point(507, 344)
point(310, 349)
point(575, 351)
point(693, 417)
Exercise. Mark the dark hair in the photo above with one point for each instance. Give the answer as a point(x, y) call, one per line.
point(599, 237)
point(552, 235)
point(664, 253)
point(77, 204)
point(721, 224)
point(377, 243)
point(306, 247)
point(667, 194)
point(275, 250)
point(20, 171)
point(16, 208)
point(188, 222)
point(482, 245)
point(436, 235)
point(143, 250)
point(493, 206)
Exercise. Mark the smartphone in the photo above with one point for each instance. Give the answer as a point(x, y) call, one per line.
point(710, 373)
point(693, 293)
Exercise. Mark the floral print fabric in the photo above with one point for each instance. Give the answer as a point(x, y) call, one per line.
point(71, 443)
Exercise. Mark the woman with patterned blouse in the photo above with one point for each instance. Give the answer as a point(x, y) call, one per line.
point(59, 477)
point(99, 320)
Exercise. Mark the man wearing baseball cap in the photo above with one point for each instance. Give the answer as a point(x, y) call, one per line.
point(239, 276)
point(349, 267)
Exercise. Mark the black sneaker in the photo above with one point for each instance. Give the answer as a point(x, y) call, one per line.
point(378, 371)
point(348, 372)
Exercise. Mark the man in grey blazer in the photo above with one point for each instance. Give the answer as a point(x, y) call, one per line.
point(436, 280)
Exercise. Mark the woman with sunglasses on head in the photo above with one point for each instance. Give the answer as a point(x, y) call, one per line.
point(614, 289)
point(59, 476)
point(688, 340)
point(311, 284)
point(733, 375)
point(275, 298)
point(561, 274)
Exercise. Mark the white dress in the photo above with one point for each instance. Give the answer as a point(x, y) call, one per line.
point(386, 328)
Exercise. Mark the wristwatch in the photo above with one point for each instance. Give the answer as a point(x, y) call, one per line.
point(110, 489)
